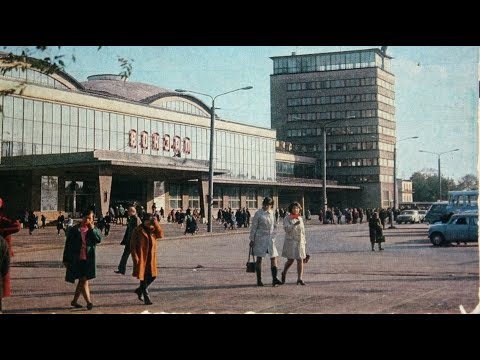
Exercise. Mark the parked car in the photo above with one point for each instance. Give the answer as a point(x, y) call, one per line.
point(410, 216)
point(461, 227)
point(421, 214)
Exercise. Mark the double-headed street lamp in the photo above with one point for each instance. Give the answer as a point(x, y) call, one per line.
point(439, 174)
point(212, 138)
point(325, 201)
point(395, 170)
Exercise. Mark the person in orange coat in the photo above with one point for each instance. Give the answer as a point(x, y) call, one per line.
point(143, 246)
point(7, 228)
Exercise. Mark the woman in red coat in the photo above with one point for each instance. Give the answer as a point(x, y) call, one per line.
point(7, 228)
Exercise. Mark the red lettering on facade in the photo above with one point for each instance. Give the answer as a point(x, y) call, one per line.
point(155, 142)
point(166, 142)
point(132, 138)
point(187, 146)
point(176, 145)
point(144, 140)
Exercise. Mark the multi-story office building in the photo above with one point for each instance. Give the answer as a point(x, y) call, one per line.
point(351, 93)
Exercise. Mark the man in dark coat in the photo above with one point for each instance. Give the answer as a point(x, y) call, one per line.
point(132, 222)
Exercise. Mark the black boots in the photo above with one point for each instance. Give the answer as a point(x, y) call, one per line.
point(275, 280)
point(258, 271)
point(146, 298)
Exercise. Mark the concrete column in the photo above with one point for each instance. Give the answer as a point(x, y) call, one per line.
point(61, 193)
point(36, 188)
point(149, 198)
point(103, 191)
point(243, 198)
point(184, 200)
point(259, 202)
point(275, 198)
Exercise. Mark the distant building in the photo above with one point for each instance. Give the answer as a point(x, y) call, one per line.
point(355, 91)
point(429, 172)
point(405, 191)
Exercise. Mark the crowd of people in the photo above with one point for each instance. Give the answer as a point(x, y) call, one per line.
point(143, 229)
point(234, 219)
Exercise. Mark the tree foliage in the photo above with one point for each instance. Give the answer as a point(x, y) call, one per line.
point(468, 182)
point(425, 187)
point(38, 57)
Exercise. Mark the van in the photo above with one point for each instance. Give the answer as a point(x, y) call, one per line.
point(436, 212)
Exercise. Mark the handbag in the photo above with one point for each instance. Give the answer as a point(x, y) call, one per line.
point(251, 264)
point(307, 258)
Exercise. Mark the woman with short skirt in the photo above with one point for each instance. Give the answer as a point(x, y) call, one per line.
point(294, 245)
point(262, 240)
point(79, 257)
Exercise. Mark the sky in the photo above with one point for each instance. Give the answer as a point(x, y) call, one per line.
point(436, 90)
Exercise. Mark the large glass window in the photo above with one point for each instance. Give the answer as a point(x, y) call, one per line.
point(175, 192)
point(251, 197)
point(234, 197)
point(217, 197)
point(193, 197)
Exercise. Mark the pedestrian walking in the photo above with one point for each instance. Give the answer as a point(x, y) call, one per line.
point(69, 223)
point(132, 222)
point(108, 221)
point(143, 245)
point(60, 221)
point(31, 222)
point(43, 219)
point(376, 231)
point(79, 257)
point(295, 242)
point(8, 227)
point(191, 223)
point(262, 239)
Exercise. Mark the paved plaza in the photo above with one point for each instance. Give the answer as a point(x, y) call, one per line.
point(206, 274)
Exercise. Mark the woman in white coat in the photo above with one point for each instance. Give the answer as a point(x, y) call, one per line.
point(294, 245)
point(262, 240)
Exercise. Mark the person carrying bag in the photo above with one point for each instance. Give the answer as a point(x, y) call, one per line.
point(251, 264)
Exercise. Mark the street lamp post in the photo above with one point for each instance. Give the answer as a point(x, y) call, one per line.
point(395, 205)
point(439, 173)
point(212, 148)
point(324, 186)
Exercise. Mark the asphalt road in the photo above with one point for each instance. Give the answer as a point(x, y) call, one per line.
point(206, 274)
